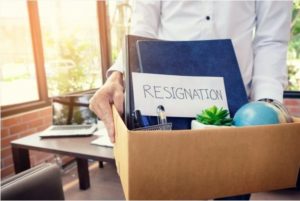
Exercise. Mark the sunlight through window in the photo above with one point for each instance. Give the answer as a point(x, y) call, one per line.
point(17, 68)
point(71, 45)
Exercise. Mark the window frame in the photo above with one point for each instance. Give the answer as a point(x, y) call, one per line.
point(104, 37)
point(38, 54)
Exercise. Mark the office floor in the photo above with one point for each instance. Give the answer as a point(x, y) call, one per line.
point(105, 185)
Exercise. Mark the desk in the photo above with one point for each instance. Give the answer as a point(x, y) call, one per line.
point(78, 147)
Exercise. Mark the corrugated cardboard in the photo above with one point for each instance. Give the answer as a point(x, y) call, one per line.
point(206, 164)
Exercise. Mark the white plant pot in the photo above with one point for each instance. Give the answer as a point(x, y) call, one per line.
point(197, 125)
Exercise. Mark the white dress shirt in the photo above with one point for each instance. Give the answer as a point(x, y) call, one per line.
point(259, 31)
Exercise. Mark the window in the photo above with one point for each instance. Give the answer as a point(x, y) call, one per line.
point(17, 68)
point(71, 45)
point(119, 23)
point(50, 48)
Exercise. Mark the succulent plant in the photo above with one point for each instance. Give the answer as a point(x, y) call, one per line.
point(215, 116)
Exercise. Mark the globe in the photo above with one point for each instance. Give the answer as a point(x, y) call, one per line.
point(257, 113)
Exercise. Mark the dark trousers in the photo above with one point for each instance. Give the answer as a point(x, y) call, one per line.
point(237, 197)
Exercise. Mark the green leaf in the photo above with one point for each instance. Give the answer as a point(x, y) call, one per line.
point(214, 109)
point(222, 113)
point(214, 116)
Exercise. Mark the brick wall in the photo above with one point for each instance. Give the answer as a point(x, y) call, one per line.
point(18, 126)
point(293, 106)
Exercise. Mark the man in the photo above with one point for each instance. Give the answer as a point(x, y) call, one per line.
point(259, 31)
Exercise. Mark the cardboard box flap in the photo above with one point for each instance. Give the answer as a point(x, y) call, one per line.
point(206, 164)
point(121, 150)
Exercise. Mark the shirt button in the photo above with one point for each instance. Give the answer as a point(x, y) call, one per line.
point(207, 18)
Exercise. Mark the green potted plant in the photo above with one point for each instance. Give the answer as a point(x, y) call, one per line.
point(212, 117)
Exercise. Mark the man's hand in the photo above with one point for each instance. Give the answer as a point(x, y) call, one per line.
point(110, 93)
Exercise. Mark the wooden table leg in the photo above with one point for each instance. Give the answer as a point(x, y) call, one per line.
point(298, 180)
point(100, 164)
point(83, 173)
point(21, 159)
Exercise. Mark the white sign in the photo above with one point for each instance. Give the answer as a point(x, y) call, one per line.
point(181, 96)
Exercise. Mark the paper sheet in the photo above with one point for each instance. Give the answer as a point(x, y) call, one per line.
point(181, 96)
point(103, 139)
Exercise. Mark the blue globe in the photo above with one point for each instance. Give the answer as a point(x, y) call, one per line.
point(257, 113)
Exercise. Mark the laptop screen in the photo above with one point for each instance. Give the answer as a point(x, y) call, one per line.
point(72, 110)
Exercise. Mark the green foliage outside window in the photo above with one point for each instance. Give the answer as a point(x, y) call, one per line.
point(76, 66)
point(294, 50)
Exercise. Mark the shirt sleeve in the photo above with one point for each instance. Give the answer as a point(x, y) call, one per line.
point(144, 22)
point(270, 45)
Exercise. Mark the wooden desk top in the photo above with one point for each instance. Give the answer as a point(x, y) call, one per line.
point(79, 147)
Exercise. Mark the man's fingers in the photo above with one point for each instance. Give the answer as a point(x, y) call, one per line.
point(107, 118)
point(118, 101)
point(110, 93)
point(102, 108)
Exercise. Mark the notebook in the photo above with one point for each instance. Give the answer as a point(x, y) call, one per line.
point(195, 58)
point(71, 117)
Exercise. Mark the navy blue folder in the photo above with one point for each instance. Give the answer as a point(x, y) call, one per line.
point(195, 58)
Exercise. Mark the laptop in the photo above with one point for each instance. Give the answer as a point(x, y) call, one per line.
point(71, 117)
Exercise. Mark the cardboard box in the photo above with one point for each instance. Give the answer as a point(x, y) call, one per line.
point(206, 164)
